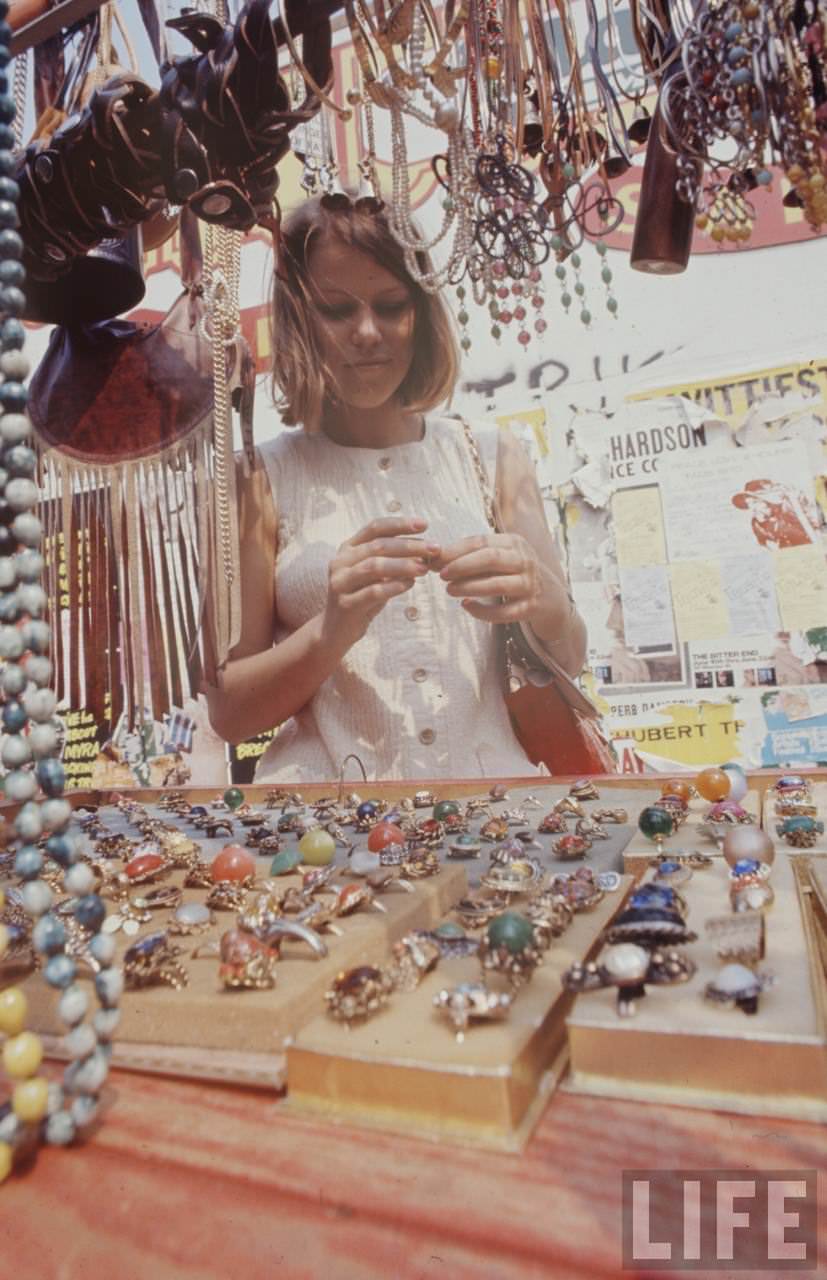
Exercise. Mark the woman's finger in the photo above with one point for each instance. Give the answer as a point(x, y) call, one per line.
point(490, 559)
point(375, 569)
point(514, 586)
point(513, 611)
point(387, 527)
point(373, 597)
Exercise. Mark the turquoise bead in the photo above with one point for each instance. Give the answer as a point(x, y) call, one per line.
point(60, 971)
point(49, 935)
point(449, 930)
point(285, 862)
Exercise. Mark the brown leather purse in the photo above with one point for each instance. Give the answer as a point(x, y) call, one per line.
point(553, 720)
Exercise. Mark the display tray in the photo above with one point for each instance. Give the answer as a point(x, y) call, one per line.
point(209, 1032)
point(404, 1069)
point(681, 1049)
point(205, 1031)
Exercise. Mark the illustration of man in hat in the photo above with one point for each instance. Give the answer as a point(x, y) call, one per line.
point(779, 514)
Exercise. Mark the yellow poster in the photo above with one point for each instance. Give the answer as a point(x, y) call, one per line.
point(638, 527)
point(699, 600)
point(801, 586)
point(732, 396)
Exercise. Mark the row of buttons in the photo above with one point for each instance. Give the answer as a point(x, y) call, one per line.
point(426, 736)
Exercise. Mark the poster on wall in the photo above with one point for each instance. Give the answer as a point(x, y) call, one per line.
point(694, 532)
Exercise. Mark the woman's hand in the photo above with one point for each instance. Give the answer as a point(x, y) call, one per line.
point(381, 561)
point(498, 578)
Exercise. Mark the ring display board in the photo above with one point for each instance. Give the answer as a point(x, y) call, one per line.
point(403, 1069)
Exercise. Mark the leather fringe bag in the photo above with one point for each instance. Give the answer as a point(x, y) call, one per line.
point(553, 720)
point(135, 498)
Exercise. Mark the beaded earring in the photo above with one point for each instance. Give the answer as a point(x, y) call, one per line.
point(42, 840)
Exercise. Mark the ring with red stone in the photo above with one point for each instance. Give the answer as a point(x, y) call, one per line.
point(246, 963)
point(356, 994)
point(552, 824)
point(570, 847)
point(146, 864)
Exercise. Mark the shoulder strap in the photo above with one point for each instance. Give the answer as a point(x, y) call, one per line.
point(481, 474)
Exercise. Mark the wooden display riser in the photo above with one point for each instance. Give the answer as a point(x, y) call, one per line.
point(404, 1069)
point(680, 1048)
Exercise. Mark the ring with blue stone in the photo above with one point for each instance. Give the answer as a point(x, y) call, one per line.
point(672, 874)
point(153, 960)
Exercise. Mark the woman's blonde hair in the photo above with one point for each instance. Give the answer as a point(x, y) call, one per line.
point(301, 382)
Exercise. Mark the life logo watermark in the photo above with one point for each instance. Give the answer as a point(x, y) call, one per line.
point(720, 1219)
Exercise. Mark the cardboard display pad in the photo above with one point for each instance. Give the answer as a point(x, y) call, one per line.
point(681, 1048)
point(404, 1069)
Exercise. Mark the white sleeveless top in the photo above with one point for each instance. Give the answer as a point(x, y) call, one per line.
point(420, 694)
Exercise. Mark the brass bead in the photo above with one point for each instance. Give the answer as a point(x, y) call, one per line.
point(492, 68)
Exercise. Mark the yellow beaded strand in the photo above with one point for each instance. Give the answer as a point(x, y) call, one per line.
point(22, 1056)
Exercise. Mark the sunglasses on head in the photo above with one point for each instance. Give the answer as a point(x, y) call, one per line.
point(340, 202)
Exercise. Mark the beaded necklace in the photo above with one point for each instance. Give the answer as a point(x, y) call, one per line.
point(43, 846)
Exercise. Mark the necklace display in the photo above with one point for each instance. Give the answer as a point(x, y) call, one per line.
point(752, 78)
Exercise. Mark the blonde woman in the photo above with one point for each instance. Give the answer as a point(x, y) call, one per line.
point(371, 583)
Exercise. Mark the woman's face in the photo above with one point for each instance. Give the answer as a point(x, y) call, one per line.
point(364, 322)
